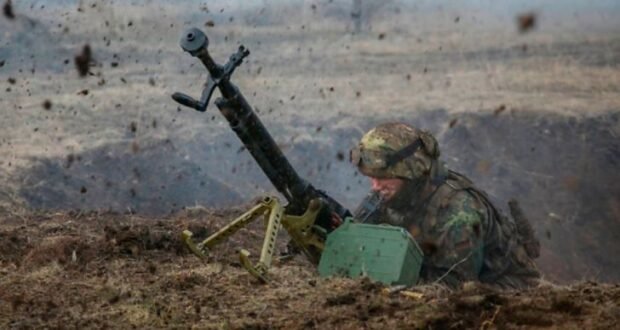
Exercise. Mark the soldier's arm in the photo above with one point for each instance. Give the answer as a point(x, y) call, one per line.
point(458, 236)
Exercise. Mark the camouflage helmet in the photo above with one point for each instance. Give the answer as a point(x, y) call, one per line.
point(395, 150)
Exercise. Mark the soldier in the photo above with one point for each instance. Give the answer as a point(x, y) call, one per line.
point(463, 236)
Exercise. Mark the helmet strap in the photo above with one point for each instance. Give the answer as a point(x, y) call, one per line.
point(403, 153)
point(438, 172)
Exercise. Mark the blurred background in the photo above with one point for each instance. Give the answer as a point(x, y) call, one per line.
point(523, 96)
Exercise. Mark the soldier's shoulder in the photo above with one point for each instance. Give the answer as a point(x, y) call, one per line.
point(460, 208)
point(448, 195)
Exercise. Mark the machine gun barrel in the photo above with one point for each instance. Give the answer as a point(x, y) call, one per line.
point(251, 131)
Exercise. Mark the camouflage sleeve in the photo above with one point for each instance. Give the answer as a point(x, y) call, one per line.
point(459, 240)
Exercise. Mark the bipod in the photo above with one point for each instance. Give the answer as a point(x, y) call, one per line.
point(308, 237)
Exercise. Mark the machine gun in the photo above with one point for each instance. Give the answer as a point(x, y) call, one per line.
point(307, 216)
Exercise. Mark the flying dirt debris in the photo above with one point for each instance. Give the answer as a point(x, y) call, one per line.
point(526, 22)
point(7, 10)
point(91, 209)
point(47, 105)
point(83, 61)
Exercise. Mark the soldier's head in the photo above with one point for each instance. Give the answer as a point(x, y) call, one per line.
point(395, 155)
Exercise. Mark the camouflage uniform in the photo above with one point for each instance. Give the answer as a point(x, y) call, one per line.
point(463, 236)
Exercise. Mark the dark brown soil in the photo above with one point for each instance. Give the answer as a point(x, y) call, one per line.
point(74, 270)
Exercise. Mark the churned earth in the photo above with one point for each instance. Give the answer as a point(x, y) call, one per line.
point(100, 170)
point(107, 270)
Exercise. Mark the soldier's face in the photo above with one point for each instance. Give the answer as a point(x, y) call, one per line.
point(387, 188)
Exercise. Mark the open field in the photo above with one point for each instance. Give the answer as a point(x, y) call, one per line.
point(534, 115)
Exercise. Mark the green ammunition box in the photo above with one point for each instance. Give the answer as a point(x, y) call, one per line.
point(384, 253)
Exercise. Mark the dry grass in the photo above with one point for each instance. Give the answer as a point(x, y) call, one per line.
point(162, 286)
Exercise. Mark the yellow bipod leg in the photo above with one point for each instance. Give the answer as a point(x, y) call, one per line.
point(300, 228)
point(269, 207)
point(308, 237)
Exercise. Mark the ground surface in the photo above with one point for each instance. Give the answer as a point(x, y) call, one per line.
point(70, 270)
point(533, 115)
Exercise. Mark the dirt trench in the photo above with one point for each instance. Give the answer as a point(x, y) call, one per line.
point(98, 270)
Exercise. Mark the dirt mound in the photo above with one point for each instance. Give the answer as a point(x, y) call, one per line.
point(124, 271)
point(152, 177)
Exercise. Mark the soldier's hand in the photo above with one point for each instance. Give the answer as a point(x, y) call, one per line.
point(336, 220)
